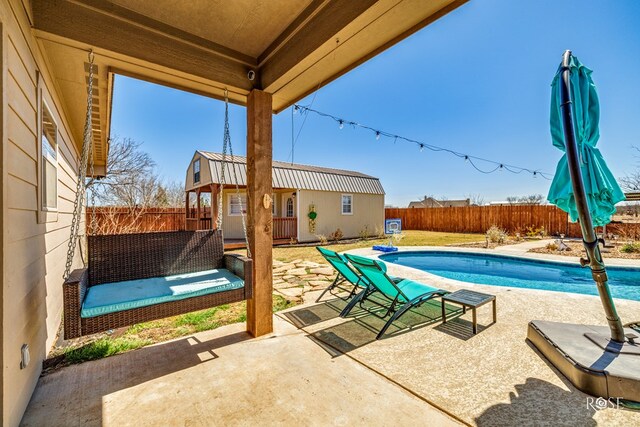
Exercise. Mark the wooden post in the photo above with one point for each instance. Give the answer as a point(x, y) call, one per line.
point(186, 209)
point(259, 218)
point(214, 205)
point(198, 211)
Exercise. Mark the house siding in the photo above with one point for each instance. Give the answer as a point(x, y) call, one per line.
point(33, 250)
point(368, 211)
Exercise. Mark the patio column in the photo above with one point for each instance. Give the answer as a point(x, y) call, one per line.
point(198, 210)
point(259, 218)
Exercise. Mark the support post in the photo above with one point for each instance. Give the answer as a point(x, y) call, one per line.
point(198, 210)
point(259, 218)
point(214, 206)
point(186, 209)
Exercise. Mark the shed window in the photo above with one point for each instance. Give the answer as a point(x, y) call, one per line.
point(347, 204)
point(196, 170)
point(289, 207)
point(237, 204)
point(49, 145)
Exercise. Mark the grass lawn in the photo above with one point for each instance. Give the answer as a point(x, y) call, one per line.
point(411, 238)
point(143, 334)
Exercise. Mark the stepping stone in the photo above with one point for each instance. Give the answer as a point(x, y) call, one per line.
point(309, 276)
point(292, 292)
point(283, 268)
point(325, 271)
point(297, 272)
point(284, 285)
point(308, 264)
point(287, 277)
point(316, 283)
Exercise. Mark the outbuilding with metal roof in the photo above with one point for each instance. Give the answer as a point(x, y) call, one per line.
point(308, 202)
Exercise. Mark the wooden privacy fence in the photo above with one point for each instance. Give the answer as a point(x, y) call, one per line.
point(478, 219)
point(119, 220)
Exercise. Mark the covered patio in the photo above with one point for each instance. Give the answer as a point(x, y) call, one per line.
point(266, 57)
point(319, 369)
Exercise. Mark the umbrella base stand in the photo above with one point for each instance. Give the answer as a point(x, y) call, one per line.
point(589, 359)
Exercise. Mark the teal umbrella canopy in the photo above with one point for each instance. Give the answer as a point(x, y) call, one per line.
point(602, 190)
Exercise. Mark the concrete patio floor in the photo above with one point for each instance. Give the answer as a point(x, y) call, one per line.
point(223, 377)
point(331, 371)
point(495, 378)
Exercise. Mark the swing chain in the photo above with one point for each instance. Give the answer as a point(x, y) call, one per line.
point(82, 174)
point(226, 146)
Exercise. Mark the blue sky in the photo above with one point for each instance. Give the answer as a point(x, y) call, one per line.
point(476, 81)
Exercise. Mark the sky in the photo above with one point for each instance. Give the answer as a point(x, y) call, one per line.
point(477, 81)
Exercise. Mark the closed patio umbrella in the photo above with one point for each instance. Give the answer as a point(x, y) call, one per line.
point(583, 185)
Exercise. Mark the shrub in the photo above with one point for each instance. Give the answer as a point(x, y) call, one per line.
point(336, 235)
point(380, 232)
point(364, 232)
point(496, 234)
point(552, 247)
point(629, 248)
point(323, 239)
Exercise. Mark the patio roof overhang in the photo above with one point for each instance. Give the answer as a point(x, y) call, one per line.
point(294, 48)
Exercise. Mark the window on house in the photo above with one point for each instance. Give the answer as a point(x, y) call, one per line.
point(237, 204)
point(196, 170)
point(289, 208)
point(49, 143)
point(347, 204)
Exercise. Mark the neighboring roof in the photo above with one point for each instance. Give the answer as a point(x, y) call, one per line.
point(298, 176)
point(430, 202)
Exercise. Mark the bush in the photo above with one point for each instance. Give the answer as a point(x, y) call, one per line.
point(629, 248)
point(323, 239)
point(496, 234)
point(336, 235)
point(552, 247)
point(536, 232)
point(364, 232)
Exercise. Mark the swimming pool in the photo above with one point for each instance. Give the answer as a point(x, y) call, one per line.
point(498, 270)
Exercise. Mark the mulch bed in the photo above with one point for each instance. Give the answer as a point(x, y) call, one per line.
point(577, 249)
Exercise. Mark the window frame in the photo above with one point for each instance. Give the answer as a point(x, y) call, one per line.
point(46, 213)
point(243, 197)
point(286, 208)
point(342, 204)
point(196, 162)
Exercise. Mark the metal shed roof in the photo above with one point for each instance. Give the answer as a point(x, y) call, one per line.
point(296, 176)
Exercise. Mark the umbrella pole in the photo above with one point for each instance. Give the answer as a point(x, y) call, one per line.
point(590, 241)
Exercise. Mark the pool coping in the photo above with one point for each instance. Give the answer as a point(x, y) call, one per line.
point(511, 253)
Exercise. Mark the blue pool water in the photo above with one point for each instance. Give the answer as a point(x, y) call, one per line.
point(497, 270)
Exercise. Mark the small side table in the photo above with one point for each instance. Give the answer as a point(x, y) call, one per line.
point(469, 299)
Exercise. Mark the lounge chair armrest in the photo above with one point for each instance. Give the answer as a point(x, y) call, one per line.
point(74, 290)
point(242, 267)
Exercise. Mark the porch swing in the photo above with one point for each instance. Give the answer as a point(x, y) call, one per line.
point(134, 278)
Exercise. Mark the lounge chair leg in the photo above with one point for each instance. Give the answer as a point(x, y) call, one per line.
point(353, 302)
point(330, 287)
point(393, 318)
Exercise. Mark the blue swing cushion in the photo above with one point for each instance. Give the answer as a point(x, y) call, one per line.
point(119, 296)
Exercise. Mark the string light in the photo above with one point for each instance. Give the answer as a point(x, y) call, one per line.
point(498, 166)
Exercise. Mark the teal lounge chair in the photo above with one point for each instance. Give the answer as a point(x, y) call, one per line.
point(346, 274)
point(403, 295)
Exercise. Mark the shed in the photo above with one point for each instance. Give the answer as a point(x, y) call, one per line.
point(341, 199)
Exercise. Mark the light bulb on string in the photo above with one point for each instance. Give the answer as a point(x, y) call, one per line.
point(501, 167)
point(377, 135)
point(421, 147)
point(466, 158)
point(535, 174)
point(341, 126)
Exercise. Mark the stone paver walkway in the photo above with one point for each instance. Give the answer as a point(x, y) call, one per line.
point(295, 278)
